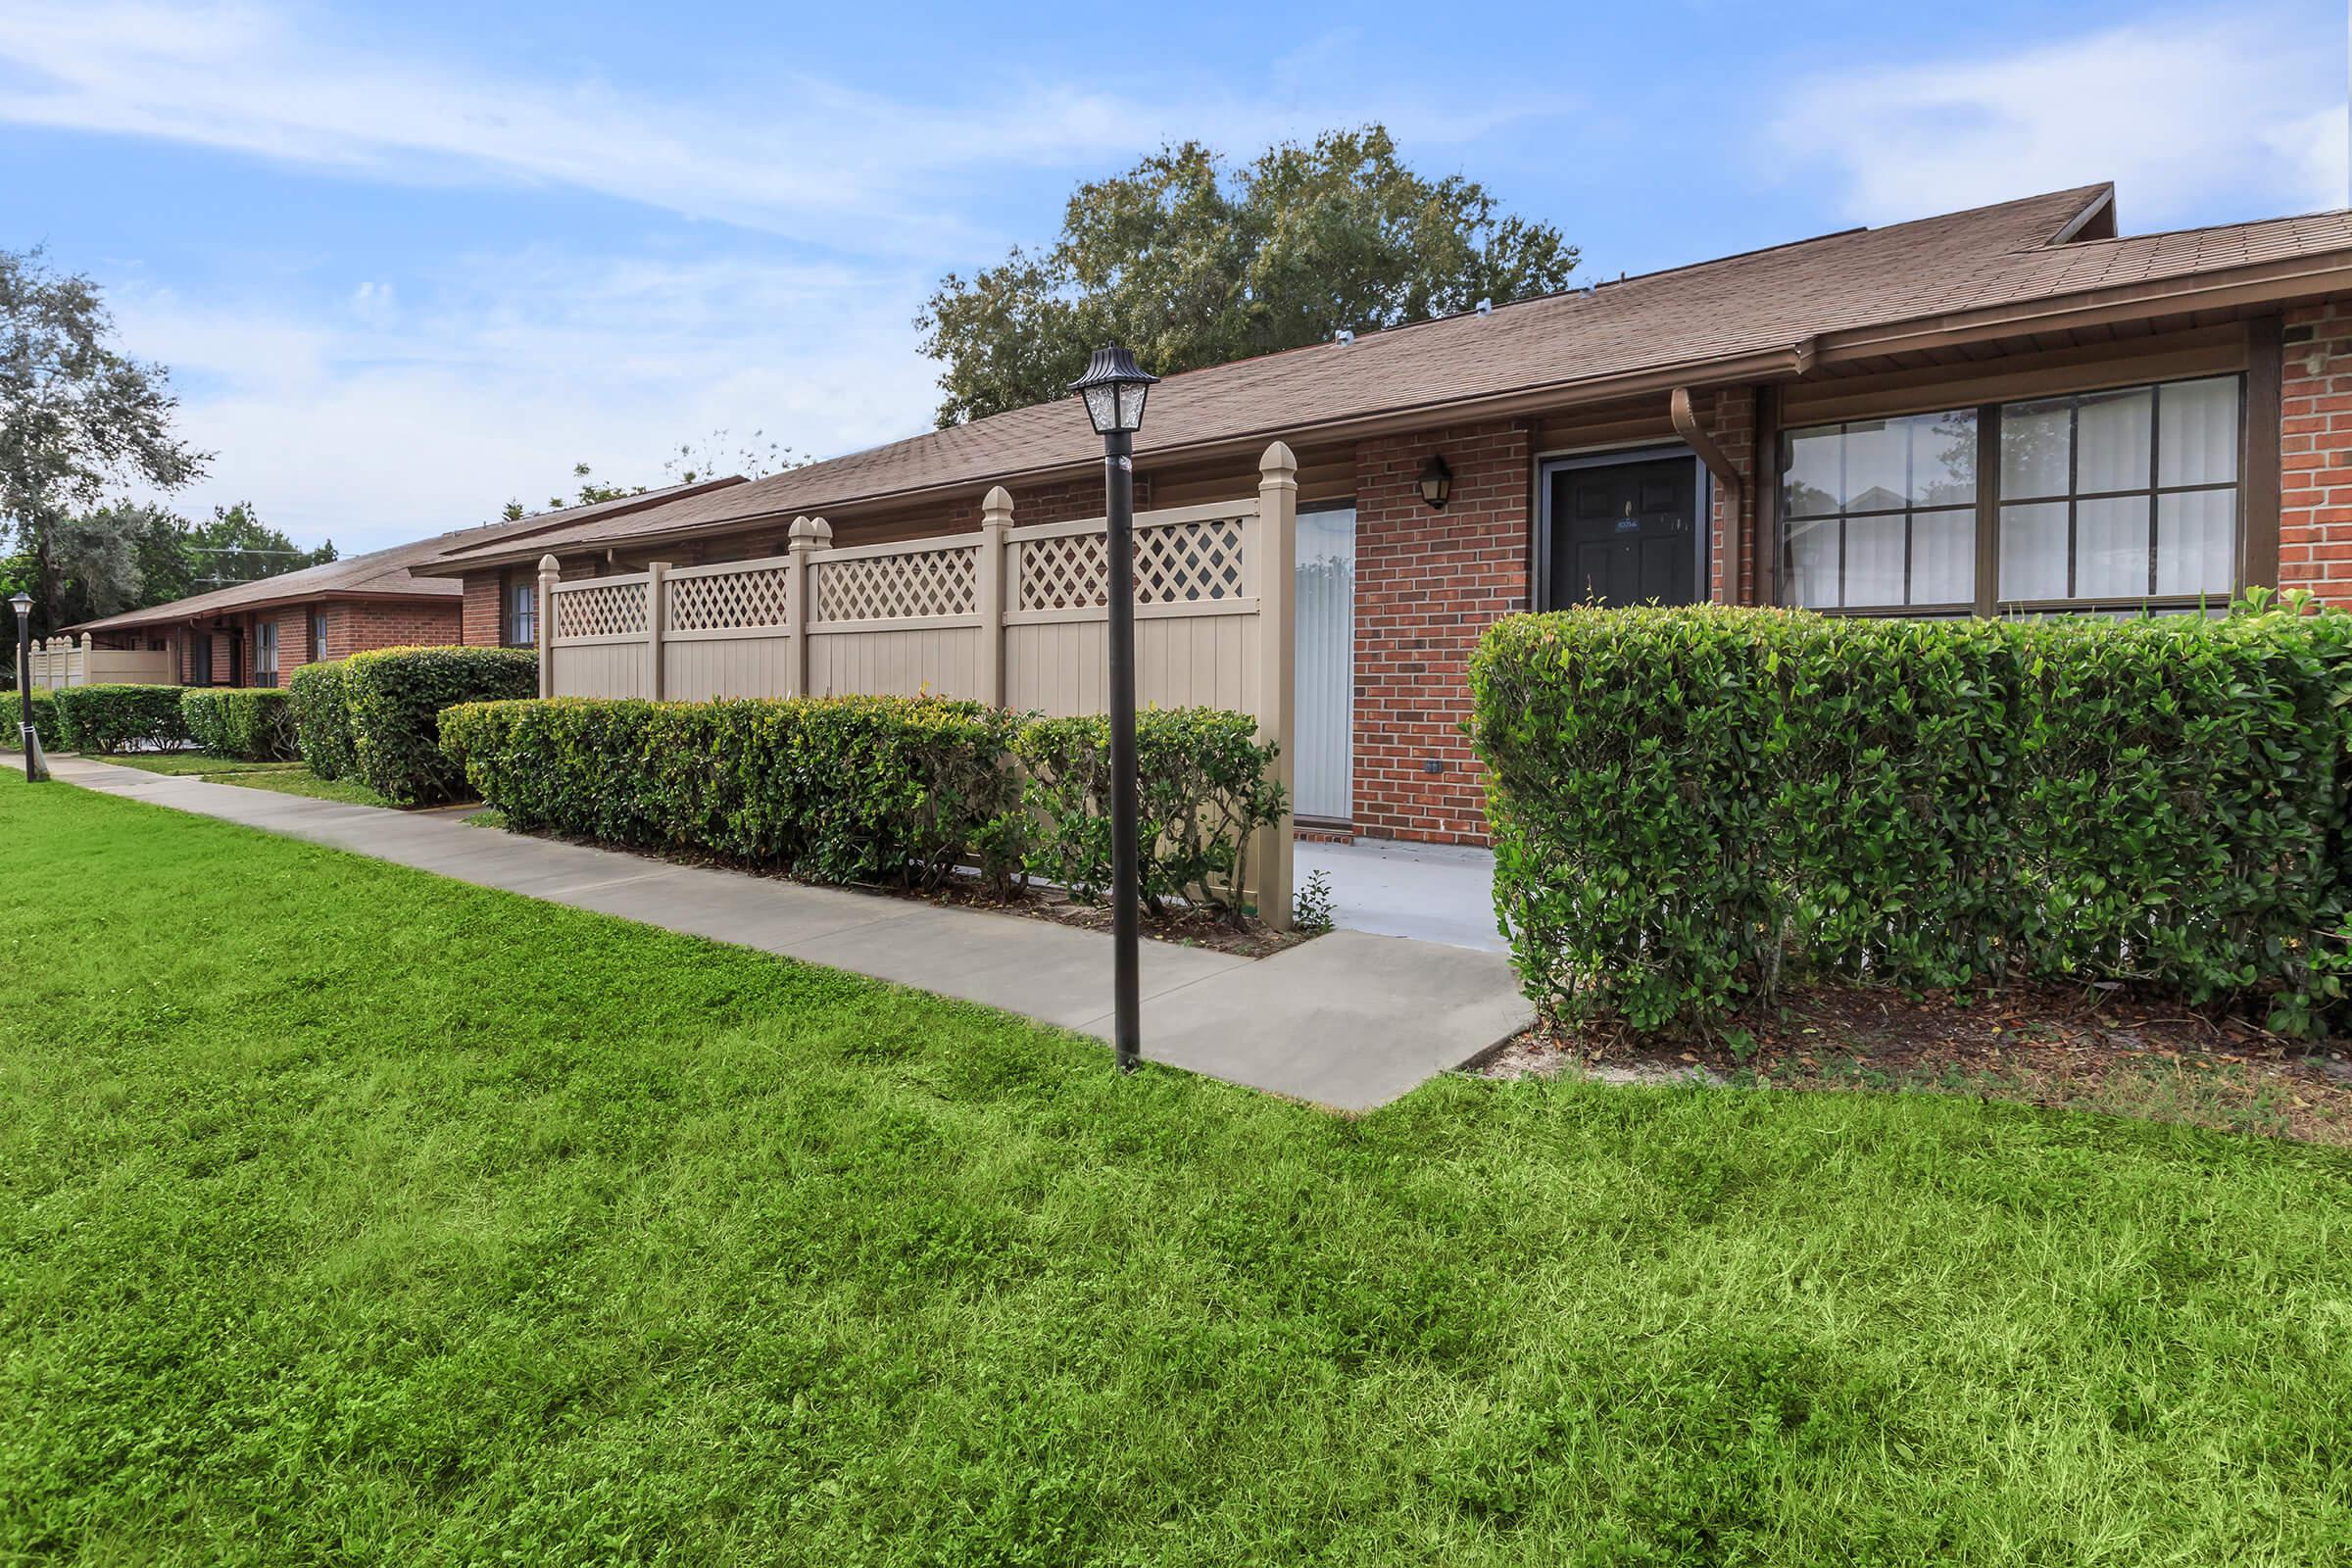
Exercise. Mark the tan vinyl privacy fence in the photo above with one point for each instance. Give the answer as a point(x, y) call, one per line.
point(62, 661)
point(1013, 616)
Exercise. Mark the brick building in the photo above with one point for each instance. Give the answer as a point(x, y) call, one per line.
point(256, 633)
point(2011, 409)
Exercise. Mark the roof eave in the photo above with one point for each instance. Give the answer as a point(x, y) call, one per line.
point(167, 615)
point(1773, 362)
point(2262, 283)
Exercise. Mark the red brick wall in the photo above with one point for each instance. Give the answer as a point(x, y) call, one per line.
point(1427, 584)
point(479, 623)
point(1732, 421)
point(2315, 452)
point(365, 625)
point(293, 640)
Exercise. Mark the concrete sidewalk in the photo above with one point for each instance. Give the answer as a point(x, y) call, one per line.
point(1349, 1020)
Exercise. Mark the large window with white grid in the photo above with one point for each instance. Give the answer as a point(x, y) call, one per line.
point(2119, 499)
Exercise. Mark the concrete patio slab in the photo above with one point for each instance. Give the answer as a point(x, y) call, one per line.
point(1442, 893)
point(1351, 1020)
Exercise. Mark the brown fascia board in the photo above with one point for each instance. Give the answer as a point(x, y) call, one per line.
point(165, 615)
point(2262, 283)
point(2259, 283)
point(2099, 211)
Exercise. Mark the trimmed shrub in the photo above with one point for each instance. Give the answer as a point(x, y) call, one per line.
point(1690, 806)
point(849, 788)
point(44, 720)
point(251, 722)
point(119, 718)
point(319, 699)
point(1200, 775)
point(395, 697)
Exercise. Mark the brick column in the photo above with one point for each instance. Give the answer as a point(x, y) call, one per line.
point(2315, 452)
point(1732, 421)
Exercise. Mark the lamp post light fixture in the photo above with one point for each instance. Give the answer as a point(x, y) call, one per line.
point(22, 605)
point(1113, 389)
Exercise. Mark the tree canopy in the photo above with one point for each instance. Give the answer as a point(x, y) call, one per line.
point(77, 419)
point(1190, 262)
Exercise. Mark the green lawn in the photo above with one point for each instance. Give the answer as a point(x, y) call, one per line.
point(284, 778)
point(190, 764)
point(352, 1215)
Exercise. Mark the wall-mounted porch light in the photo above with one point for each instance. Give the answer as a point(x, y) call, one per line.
point(1436, 483)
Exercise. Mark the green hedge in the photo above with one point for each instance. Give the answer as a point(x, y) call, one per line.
point(395, 696)
point(44, 718)
point(1691, 805)
point(251, 722)
point(1200, 776)
point(877, 789)
point(119, 718)
point(319, 699)
point(858, 789)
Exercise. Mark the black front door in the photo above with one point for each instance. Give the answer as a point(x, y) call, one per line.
point(1621, 533)
point(236, 657)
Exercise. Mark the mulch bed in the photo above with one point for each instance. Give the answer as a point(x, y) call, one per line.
point(1181, 925)
point(2076, 1047)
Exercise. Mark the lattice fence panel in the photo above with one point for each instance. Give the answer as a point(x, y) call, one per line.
point(1179, 563)
point(606, 610)
point(1068, 573)
point(728, 599)
point(934, 582)
point(1189, 563)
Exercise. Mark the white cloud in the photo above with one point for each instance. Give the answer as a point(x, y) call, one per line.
point(809, 155)
point(374, 426)
point(2194, 120)
point(374, 408)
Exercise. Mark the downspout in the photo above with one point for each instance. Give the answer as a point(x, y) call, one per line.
point(1727, 474)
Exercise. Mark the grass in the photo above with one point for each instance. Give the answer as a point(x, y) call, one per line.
point(284, 778)
point(190, 764)
point(351, 1215)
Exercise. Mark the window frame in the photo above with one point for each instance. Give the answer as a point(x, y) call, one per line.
point(1909, 514)
point(265, 650)
point(1990, 501)
point(511, 586)
point(318, 635)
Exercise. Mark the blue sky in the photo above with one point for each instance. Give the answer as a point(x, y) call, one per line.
point(407, 262)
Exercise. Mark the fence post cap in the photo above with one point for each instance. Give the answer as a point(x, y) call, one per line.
point(997, 505)
point(810, 533)
point(550, 566)
point(1279, 459)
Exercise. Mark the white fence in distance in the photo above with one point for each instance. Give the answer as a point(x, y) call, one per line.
point(61, 661)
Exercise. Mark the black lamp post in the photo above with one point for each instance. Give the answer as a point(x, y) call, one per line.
point(1113, 388)
point(22, 604)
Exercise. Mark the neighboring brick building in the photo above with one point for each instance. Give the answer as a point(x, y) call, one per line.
point(256, 633)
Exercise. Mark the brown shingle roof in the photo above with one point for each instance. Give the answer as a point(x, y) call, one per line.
point(1754, 304)
point(388, 573)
